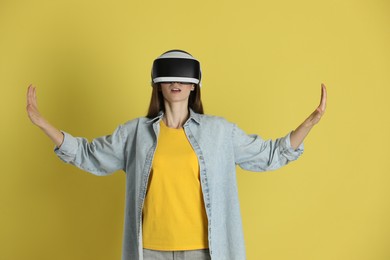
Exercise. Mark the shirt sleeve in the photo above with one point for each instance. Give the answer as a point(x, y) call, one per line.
point(255, 154)
point(101, 156)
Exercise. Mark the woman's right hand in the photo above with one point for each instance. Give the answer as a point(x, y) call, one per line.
point(32, 107)
point(33, 113)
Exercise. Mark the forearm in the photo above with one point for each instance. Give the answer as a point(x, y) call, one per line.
point(101, 156)
point(299, 134)
point(53, 133)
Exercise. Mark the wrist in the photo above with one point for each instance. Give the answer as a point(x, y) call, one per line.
point(42, 123)
point(307, 126)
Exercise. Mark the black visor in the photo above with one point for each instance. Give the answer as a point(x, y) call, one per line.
point(176, 70)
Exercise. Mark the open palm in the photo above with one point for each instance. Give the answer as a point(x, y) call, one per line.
point(32, 106)
point(315, 117)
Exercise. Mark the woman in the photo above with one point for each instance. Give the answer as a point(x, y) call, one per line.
point(181, 191)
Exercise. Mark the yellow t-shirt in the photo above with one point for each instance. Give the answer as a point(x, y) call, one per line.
point(174, 217)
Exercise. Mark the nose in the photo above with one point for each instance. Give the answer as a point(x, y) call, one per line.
point(177, 83)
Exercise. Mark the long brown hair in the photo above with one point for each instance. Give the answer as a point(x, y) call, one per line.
point(157, 101)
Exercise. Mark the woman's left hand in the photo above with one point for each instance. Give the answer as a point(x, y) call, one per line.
point(315, 117)
point(297, 136)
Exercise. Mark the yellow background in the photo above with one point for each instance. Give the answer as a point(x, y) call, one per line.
point(262, 61)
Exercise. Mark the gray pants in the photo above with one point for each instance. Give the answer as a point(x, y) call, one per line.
point(201, 254)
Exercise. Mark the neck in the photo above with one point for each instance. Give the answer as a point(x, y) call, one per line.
point(176, 114)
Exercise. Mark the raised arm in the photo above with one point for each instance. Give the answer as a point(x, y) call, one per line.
point(101, 156)
point(299, 134)
point(37, 119)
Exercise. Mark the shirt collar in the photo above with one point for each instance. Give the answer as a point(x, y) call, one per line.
point(193, 117)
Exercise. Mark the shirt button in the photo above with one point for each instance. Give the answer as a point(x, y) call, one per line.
point(208, 205)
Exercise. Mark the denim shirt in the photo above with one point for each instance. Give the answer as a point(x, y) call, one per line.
point(219, 146)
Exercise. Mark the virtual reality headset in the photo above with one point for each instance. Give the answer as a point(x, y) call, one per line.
point(176, 66)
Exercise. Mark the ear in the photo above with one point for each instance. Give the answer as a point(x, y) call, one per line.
point(193, 87)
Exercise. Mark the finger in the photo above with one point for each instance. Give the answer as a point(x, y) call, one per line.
point(32, 96)
point(35, 95)
point(322, 105)
point(29, 94)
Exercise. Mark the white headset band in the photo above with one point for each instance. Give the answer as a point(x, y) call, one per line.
point(175, 79)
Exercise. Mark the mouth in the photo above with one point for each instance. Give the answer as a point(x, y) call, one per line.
point(175, 90)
